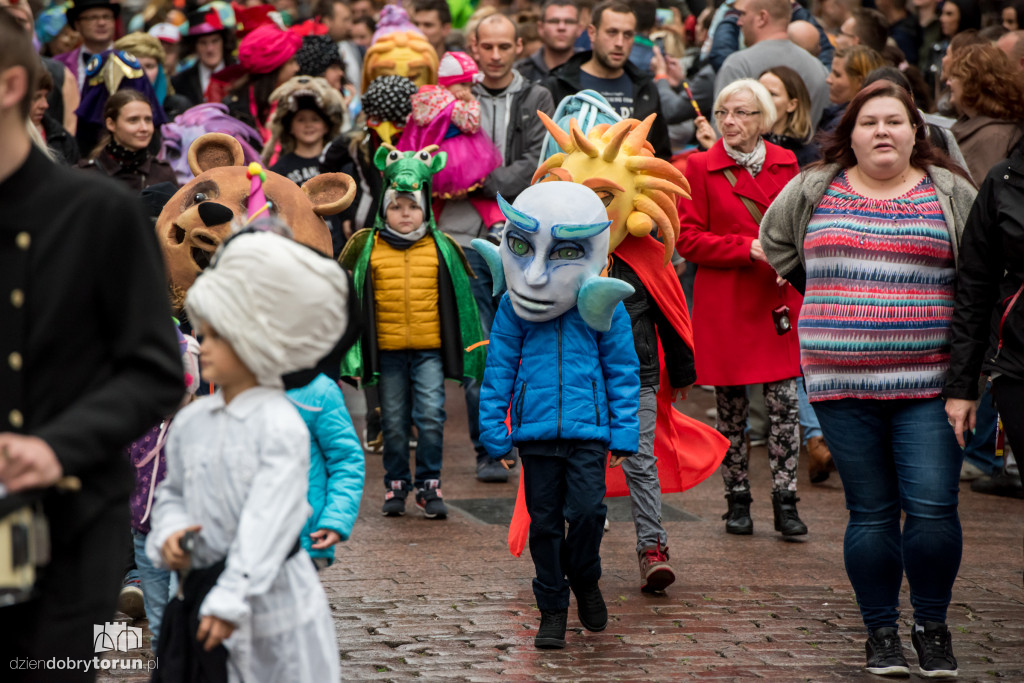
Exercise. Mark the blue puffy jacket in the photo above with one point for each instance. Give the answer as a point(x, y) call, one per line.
point(336, 467)
point(573, 382)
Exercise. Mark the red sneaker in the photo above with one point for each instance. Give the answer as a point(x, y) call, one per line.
point(655, 573)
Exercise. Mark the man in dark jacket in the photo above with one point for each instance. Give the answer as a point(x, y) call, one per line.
point(212, 43)
point(607, 70)
point(558, 28)
point(90, 362)
point(508, 114)
point(988, 319)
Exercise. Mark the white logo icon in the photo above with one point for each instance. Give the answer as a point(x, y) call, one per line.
point(116, 636)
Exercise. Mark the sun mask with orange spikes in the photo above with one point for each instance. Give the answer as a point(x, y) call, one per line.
point(617, 162)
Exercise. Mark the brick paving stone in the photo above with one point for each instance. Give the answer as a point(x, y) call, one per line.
point(426, 600)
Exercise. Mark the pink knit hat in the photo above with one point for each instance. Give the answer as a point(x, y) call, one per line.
point(456, 67)
point(267, 48)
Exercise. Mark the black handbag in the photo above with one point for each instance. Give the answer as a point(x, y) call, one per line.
point(182, 658)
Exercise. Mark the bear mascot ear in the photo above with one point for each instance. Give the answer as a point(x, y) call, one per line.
point(214, 150)
point(330, 193)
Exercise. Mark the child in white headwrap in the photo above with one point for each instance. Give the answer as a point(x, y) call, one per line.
point(229, 514)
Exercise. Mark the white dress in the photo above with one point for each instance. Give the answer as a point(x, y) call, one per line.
point(242, 471)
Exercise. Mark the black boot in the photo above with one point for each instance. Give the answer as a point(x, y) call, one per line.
point(738, 517)
point(590, 607)
point(786, 519)
point(551, 634)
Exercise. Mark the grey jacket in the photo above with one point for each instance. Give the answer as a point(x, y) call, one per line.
point(510, 120)
point(784, 225)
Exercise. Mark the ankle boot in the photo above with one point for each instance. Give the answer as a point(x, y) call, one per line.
point(738, 517)
point(786, 519)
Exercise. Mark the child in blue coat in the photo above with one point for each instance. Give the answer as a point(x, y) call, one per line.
point(336, 467)
point(562, 355)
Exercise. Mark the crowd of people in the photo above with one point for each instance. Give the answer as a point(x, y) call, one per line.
point(837, 184)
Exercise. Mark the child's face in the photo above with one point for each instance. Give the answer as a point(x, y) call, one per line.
point(404, 215)
point(462, 91)
point(308, 128)
point(218, 362)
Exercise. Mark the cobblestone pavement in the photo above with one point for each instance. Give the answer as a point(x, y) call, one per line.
point(445, 600)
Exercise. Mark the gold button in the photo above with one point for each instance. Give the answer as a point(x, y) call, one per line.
point(23, 240)
point(17, 298)
point(14, 360)
point(16, 419)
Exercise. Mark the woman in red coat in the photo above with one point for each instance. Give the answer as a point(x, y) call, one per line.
point(742, 319)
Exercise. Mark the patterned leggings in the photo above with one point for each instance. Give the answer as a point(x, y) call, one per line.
point(783, 434)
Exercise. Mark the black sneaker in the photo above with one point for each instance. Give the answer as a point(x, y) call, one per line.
point(394, 499)
point(551, 634)
point(430, 500)
point(934, 648)
point(490, 470)
point(885, 653)
point(590, 608)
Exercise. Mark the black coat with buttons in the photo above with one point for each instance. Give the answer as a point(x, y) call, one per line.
point(89, 355)
point(990, 283)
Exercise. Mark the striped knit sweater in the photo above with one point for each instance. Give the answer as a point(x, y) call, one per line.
point(875, 321)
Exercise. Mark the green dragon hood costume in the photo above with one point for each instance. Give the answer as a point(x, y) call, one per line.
point(461, 332)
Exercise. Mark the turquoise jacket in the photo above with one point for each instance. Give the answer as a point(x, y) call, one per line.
point(336, 467)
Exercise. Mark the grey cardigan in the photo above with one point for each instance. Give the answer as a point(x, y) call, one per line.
point(784, 226)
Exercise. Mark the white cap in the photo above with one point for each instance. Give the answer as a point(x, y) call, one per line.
point(168, 33)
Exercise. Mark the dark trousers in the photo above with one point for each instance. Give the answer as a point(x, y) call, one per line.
point(1009, 397)
point(487, 305)
point(77, 591)
point(564, 482)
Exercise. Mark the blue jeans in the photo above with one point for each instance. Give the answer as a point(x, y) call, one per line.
point(893, 456)
point(487, 305)
point(156, 587)
point(981, 448)
point(411, 391)
point(808, 418)
point(563, 481)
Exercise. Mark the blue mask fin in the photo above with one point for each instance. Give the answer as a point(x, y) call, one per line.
point(598, 298)
point(493, 259)
point(518, 218)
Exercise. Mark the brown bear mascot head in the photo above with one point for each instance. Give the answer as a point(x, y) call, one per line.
point(199, 217)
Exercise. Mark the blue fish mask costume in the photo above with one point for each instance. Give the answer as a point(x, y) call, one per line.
point(553, 249)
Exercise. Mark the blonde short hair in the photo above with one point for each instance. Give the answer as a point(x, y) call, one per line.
point(760, 95)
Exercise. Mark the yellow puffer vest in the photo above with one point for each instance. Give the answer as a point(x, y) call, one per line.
point(405, 295)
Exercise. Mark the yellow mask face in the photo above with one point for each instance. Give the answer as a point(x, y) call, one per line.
point(402, 53)
point(618, 163)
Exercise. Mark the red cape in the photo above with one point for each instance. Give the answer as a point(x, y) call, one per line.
point(688, 450)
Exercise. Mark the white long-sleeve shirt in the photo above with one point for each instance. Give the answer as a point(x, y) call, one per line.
point(241, 472)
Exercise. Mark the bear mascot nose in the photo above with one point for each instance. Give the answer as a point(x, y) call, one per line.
point(213, 214)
